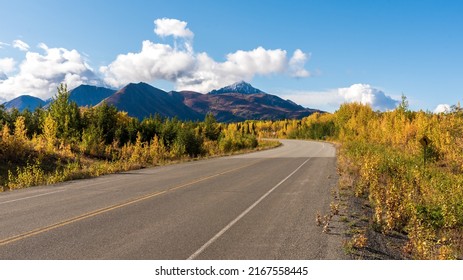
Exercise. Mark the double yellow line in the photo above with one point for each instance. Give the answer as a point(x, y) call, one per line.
point(111, 208)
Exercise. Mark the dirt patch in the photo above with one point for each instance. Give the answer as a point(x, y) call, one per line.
point(364, 240)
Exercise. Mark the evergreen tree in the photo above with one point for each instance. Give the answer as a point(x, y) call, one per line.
point(211, 128)
point(66, 115)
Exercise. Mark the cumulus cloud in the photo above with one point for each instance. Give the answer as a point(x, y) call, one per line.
point(7, 65)
point(366, 94)
point(442, 108)
point(172, 27)
point(40, 74)
point(330, 100)
point(296, 64)
point(20, 45)
point(42, 71)
point(197, 71)
point(240, 65)
point(153, 62)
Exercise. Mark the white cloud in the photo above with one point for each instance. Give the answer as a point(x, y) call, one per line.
point(296, 64)
point(194, 71)
point(40, 73)
point(240, 65)
point(172, 27)
point(330, 100)
point(7, 65)
point(3, 44)
point(442, 108)
point(258, 61)
point(197, 71)
point(366, 94)
point(20, 45)
point(153, 62)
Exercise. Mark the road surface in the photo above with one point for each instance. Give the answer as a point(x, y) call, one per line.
point(260, 205)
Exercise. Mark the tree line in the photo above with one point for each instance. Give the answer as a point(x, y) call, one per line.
point(380, 159)
point(64, 141)
point(412, 189)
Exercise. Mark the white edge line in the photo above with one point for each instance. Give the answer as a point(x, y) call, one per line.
point(24, 198)
point(227, 227)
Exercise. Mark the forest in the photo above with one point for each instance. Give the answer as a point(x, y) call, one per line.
point(64, 142)
point(412, 189)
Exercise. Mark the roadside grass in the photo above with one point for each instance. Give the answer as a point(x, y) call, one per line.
point(423, 203)
point(46, 168)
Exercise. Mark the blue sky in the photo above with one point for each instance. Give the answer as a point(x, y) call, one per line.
point(317, 53)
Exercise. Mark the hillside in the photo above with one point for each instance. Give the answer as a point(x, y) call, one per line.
point(24, 102)
point(233, 103)
point(241, 101)
point(142, 100)
point(86, 95)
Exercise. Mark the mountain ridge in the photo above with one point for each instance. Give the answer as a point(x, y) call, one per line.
point(142, 100)
point(24, 102)
point(237, 102)
point(88, 95)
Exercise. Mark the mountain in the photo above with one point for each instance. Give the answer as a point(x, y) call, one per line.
point(240, 87)
point(85, 95)
point(237, 102)
point(24, 102)
point(142, 100)
point(234, 107)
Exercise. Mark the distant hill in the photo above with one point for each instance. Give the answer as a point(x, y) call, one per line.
point(142, 100)
point(241, 101)
point(242, 104)
point(24, 102)
point(85, 95)
point(233, 103)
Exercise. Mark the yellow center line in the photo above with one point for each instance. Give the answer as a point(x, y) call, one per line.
point(76, 219)
point(110, 208)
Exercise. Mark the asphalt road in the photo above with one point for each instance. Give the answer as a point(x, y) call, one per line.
point(255, 206)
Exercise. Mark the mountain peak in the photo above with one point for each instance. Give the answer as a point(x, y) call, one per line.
point(139, 84)
point(89, 95)
point(239, 87)
point(142, 100)
point(24, 102)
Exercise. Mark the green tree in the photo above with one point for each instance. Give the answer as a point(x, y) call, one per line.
point(169, 131)
point(211, 128)
point(126, 129)
point(403, 106)
point(150, 127)
point(187, 139)
point(66, 115)
point(33, 121)
point(4, 116)
point(102, 119)
point(92, 141)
